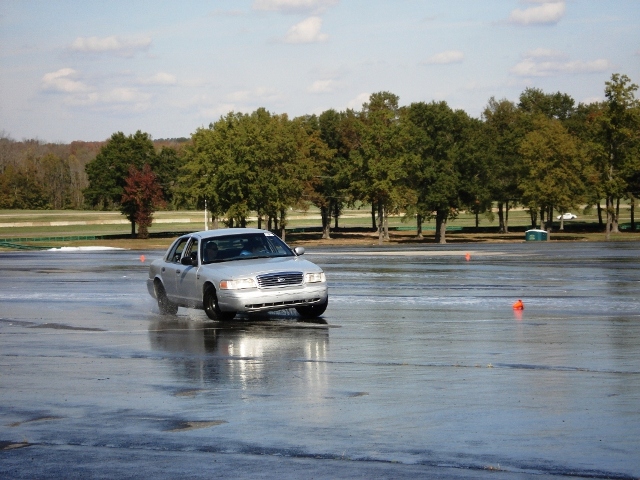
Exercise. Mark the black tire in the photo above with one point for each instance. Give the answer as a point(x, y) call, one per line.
point(313, 311)
point(166, 306)
point(210, 302)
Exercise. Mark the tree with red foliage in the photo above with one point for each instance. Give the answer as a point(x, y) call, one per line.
point(142, 195)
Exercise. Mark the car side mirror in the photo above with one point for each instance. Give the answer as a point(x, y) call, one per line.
point(299, 250)
point(189, 261)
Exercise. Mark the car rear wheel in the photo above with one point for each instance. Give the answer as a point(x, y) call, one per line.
point(166, 306)
point(210, 302)
point(313, 311)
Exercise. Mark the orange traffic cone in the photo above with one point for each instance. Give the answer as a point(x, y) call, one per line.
point(518, 305)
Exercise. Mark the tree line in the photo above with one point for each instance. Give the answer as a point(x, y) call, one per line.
point(425, 161)
point(39, 175)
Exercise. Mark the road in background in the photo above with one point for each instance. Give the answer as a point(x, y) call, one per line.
point(419, 368)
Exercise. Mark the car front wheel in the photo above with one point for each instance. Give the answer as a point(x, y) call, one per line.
point(210, 302)
point(313, 311)
point(166, 306)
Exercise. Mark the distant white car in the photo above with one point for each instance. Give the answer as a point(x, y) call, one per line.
point(567, 216)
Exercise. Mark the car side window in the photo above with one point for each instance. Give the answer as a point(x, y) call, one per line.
point(192, 249)
point(176, 252)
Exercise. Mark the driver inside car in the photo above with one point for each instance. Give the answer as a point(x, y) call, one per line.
point(210, 252)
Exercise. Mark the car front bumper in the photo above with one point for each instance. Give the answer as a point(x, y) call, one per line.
point(261, 300)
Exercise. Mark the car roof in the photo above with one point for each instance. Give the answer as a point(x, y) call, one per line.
point(220, 232)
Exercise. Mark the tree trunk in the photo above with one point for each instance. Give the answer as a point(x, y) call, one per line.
point(259, 221)
point(419, 226)
point(441, 227)
point(607, 231)
point(373, 216)
point(615, 221)
point(501, 228)
point(326, 222)
point(283, 223)
point(386, 225)
point(506, 217)
point(133, 229)
point(380, 223)
point(336, 213)
point(599, 214)
point(533, 213)
point(633, 210)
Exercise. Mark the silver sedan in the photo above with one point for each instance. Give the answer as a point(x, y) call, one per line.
point(235, 270)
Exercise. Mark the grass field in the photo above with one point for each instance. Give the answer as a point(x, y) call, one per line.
point(78, 228)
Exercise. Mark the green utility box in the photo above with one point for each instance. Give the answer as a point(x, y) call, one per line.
point(536, 235)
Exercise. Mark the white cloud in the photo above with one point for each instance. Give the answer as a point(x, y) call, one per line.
point(450, 56)
point(548, 12)
point(126, 47)
point(307, 31)
point(294, 6)
point(322, 86)
point(118, 100)
point(356, 103)
point(63, 81)
point(160, 78)
point(78, 94)
point(544, 63)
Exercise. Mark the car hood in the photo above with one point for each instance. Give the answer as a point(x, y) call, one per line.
point(258, 266)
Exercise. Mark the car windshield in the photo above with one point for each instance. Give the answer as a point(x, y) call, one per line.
point(242, 247)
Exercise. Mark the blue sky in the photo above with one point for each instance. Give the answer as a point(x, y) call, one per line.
point(82, 70)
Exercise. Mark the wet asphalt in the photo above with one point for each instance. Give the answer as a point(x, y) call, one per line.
point(419, 368)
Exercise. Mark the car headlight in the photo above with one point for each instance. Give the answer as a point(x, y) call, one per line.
point(237, 284)
point(315, 277)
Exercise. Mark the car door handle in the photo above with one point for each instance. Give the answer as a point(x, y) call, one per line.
point(177, 272)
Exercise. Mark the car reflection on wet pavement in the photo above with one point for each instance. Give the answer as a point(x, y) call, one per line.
point(241, 352)
point(419, 368)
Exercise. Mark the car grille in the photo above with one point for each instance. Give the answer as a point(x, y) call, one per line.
point(281, 305)
point(282, 279)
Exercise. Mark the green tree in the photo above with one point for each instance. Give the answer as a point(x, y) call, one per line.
point(167, 167)
point(107, 172)
point(437, 147)
point(586, 125)
point(553, 105)
point(503, 131)
point(331, 185)
point(553, 168)
point(251, 162)
point(20, 189)
point(621, 132)
point(475, 170)
point(378, 159)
